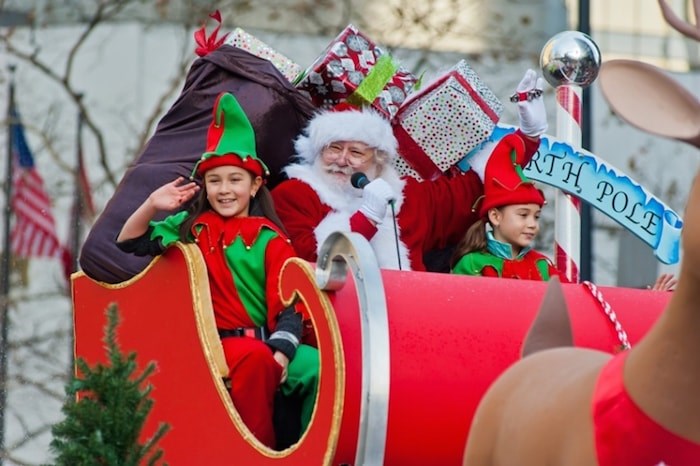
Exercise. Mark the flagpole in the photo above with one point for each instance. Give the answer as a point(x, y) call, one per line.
point(76, 227)
point(78, 201)
point(5, 291)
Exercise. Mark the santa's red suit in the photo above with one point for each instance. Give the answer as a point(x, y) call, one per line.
point(429, 214)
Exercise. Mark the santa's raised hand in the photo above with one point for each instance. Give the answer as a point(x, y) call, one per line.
point(531, 110)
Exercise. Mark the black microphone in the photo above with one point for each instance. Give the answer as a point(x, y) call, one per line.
point(359, 180)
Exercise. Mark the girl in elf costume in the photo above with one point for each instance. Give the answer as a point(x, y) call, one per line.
point(244, 246)
point(511, 206)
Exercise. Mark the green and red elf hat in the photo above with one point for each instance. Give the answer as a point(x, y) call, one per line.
point(230, 140)
point(504, 181)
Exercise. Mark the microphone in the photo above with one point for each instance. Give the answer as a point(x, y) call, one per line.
point(359, 180)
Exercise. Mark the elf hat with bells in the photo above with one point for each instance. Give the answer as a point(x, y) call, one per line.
point(230, 140)
point(504, 181)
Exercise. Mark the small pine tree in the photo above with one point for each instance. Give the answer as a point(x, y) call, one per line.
point(102, 427)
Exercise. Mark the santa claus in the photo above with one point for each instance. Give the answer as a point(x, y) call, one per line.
point(402, 218)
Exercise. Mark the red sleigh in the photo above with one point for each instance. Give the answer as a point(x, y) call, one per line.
point(405, 356)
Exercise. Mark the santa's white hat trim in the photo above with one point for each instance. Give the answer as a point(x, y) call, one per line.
point(329, 126)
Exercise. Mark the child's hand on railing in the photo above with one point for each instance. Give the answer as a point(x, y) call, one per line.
point(665, 282)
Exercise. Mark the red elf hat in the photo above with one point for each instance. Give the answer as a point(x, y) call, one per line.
point(504, 181)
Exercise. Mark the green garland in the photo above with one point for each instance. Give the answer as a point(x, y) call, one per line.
point(106, 410)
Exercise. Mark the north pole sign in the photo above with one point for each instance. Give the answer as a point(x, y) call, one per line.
point(608, 189)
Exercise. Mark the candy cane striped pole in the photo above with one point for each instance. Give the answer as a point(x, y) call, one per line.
point(567, 217)
point(569, 61)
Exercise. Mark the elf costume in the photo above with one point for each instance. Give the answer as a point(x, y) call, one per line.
point(529, 265)
point(505, 184)
point(244, 256)
point(429, 214)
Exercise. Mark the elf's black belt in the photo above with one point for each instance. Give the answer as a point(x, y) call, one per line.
point(260, 333)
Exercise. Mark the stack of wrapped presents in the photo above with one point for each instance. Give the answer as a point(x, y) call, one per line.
point(436, 124)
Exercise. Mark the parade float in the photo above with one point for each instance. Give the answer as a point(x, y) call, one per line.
point(405, 356)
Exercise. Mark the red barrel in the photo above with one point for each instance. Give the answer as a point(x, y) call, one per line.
point(449, 337)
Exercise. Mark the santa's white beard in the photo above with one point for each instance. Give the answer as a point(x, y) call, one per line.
point(333, 182)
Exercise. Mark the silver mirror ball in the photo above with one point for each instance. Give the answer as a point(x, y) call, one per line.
point(570, 57)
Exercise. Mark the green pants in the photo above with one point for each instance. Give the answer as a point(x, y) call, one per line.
point(302, 381)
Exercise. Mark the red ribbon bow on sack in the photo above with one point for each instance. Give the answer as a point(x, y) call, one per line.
point(208, 44)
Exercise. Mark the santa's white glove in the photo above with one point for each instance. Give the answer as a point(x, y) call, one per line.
point(478, 161)
point(533, 116)
point(375, 199)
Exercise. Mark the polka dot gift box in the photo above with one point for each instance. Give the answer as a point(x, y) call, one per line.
point(441, 123)
point(353, 69)
point(251, 44)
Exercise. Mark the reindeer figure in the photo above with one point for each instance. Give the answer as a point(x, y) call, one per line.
point(687, 29)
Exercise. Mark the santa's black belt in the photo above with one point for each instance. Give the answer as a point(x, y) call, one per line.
point(254, 332)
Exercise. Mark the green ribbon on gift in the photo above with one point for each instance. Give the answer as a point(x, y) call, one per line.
point(419, 82)
point(378, 77)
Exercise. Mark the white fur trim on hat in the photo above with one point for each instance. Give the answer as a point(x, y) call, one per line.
point(365, 125)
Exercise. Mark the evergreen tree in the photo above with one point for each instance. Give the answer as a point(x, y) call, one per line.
point(106, 410)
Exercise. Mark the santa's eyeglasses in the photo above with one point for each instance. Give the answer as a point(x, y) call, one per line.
point(354, 153)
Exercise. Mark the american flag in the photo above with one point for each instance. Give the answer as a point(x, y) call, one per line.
point(34, 230)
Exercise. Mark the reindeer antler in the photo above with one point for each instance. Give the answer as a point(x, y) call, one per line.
point(685, 28)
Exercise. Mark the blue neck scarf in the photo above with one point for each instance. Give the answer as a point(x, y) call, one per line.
point(501, 249)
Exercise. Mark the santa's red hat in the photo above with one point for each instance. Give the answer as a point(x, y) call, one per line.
point(346, 123)
point(504, 181)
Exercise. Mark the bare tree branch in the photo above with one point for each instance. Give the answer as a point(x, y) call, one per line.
point(42, 387)
point(172, 86)
point(36, 339)
point(26, 438)
point(75, 96)
point(16, 461)
point(106, 11)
